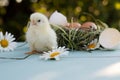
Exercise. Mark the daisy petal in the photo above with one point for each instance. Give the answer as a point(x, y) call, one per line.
point(1, 36)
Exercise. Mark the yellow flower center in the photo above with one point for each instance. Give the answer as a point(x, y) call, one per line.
point(4, 43)
point(91, 46)
point(52, 55)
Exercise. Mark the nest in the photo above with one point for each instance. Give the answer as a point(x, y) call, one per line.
point(76, 39)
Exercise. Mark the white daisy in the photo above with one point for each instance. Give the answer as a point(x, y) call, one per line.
point(6, 42)
point(55, 53)
point(93, 45)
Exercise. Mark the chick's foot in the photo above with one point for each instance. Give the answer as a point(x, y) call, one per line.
point(34, 52)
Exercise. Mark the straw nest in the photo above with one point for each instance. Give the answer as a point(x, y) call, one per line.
point(76, 39)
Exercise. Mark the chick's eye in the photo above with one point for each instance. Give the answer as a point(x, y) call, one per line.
point(39, 20)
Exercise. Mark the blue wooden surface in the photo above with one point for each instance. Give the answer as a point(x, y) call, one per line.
point(78, 65)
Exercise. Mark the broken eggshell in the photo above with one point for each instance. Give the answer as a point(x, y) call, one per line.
point(58, 19)
point(110, 39)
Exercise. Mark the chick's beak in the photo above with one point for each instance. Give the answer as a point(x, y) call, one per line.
point(33, 22)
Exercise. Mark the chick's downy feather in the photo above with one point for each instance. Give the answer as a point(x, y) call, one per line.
point(40, 36)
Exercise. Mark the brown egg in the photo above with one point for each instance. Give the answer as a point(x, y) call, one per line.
point(89, 25)
point(73, 25)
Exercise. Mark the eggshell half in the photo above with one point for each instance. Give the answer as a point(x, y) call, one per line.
point(110, 38)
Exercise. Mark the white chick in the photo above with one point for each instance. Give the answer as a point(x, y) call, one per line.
point(40, 36)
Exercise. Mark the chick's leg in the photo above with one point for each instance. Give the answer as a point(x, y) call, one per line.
point(32, 52)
